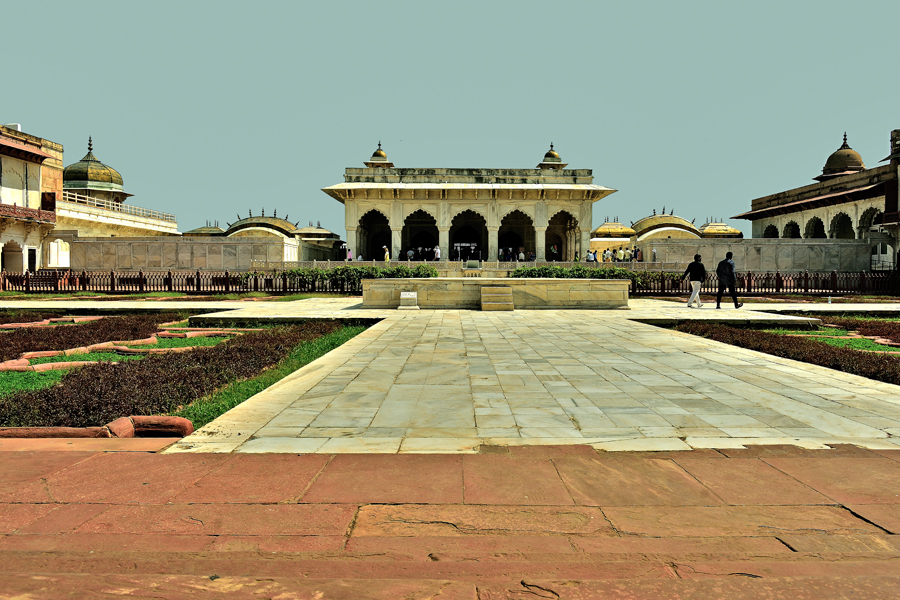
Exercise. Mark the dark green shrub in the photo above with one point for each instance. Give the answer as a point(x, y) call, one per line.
point(582, 272)
point(34, 339)
point(158, 384)
point(881, 367)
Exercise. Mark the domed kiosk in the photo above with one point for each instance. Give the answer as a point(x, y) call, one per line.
point(844, 161)
point(90, 177)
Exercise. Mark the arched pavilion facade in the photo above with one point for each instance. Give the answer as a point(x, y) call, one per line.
point(479, 214)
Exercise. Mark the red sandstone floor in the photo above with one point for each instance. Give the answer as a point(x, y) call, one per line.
point(517, 523)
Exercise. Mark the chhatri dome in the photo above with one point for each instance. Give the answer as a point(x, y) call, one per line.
point(379, 160)
point(551, 160)
point(90, 177)
point(844, 161)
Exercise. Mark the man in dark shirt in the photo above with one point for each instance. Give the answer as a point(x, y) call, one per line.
point(697, 274)
point(727, 279)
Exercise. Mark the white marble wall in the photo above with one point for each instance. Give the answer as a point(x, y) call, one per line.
point(213, 254)
point(767, 254)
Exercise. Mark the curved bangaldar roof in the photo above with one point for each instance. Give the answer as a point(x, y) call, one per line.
point(613, 229)
point(653, 222)
point(280, 225)
point(719, 230)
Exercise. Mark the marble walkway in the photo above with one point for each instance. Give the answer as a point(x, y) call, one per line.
point(448, 381)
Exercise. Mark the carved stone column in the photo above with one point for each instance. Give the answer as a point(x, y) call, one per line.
point(351, 242)
point(395, 242)
point(585, 243)
point(444, 242)
point(492, 243)
point(540, 238)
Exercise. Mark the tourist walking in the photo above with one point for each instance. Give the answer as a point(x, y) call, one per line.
point(727, 279)
point(437, 253)
point(349, 254)
point(410, 254)
point(697, 274)
point(387, 254)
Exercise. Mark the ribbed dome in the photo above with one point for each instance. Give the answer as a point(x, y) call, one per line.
point(844, 160)
point(720, 230)
point(613, 229)
point(90, 173)
point(204, 231)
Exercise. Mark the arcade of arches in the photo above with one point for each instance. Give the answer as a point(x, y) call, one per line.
point(469, 237)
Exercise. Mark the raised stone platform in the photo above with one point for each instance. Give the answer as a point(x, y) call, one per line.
point(465, 293)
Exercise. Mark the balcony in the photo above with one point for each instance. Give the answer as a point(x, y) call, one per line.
point(27, 214)
point(134, 211)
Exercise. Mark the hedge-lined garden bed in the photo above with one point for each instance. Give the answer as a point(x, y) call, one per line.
point(158, 384)
point(579, 272)
point(36, 339)
point(880, 367)
point(7, 317)
point(868, 327)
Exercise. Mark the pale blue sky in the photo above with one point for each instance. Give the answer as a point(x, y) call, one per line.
point(209, 109)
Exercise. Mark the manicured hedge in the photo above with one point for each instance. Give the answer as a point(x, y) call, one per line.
point(349, 276)
point(158, 384)
point(881, 367)
point(25, 316)
point(580, 272)
point(34, 339)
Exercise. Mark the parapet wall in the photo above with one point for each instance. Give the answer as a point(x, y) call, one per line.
point(465, 292)
point(766, 254)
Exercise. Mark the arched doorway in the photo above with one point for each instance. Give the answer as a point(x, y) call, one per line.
point(373, 234)
point(516, 235)
point(870, 221)
point(11, 258)
point(420, 234)
point(562, 234)
point(842, 227)
point(882, 257)
point(770, 232)
point(468, 236)
point(791, 231)
point(815, 229)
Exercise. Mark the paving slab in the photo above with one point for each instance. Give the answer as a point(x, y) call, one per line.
point(750, 481)
point(608, 481)
point(725, 521)
point(449, 381)
point(838, 478)
point(385, 479)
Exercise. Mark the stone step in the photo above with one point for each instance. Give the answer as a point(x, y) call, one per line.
point(497, 306)
point(497, 298)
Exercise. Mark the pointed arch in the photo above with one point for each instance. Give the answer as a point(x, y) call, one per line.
point(791, 231)
point(561, 236)
point(516, 234)
point(420, 234)
point(815, 229)
point(468, 236)
point(770, 232)
point(842, 227)
point(373, 233)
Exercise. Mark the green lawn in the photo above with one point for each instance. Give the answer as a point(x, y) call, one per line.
point(206, 409)
point(26, 381)
point(857, 344)
point(90, 356)
point(181, 342)
point(809, 332)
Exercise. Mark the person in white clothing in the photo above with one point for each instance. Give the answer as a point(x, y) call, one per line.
point(437, 253)
point(387, 254)
point(697, 274)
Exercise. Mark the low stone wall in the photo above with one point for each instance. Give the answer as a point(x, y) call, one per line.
point(465, 292)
